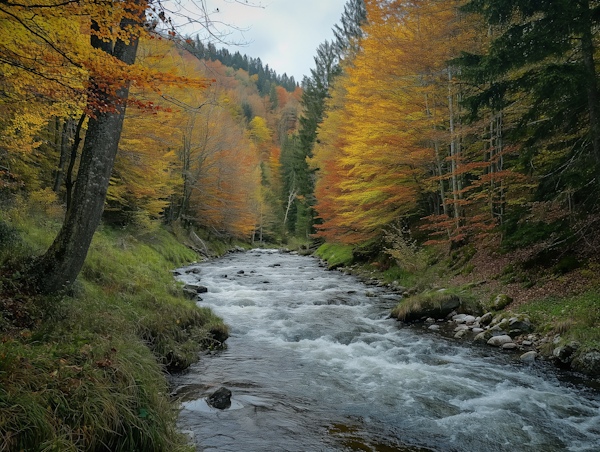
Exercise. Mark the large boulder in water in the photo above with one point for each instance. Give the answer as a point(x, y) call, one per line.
point(220, 399)
point(588, 363)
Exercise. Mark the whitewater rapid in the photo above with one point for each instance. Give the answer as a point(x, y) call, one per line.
point(314, 364)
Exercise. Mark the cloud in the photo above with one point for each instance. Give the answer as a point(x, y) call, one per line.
point(283, 33)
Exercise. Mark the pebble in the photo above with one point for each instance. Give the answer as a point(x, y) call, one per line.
point(461, 334)
point(528, 357)
point(527, 343)
point(461, 328)
point(434, 327)
point(498, 341)
point(469, 319)
point(478, 330)
point(509, 346)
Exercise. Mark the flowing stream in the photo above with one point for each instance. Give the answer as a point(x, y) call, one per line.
point(314, 365)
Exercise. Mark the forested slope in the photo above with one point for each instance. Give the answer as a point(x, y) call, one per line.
point(458, 147)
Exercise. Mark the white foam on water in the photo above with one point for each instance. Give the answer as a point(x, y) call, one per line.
point(303, 344)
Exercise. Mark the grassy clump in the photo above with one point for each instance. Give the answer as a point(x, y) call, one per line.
point(84, 370)
point(434, 304)
point(575, 318)
point(336, 254)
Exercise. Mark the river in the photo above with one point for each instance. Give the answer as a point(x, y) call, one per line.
point(314, 365)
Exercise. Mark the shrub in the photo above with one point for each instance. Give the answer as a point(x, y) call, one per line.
point(405, 251)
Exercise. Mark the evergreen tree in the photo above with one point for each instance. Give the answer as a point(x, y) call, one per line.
point(316, 91)
point(542, 54)
point(349, 31)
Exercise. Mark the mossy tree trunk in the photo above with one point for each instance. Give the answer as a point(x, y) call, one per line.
point(63, 261)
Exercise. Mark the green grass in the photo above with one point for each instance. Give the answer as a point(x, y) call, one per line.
point(420, 302)
point(574, 318)
point(336, 254)
point(85, 370)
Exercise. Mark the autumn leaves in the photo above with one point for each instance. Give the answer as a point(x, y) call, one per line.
point(388, 120)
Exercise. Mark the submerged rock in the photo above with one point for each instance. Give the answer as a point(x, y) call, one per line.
point(220, 399)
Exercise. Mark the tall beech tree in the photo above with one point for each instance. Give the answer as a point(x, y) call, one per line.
point(101, 71)
point(63, 261)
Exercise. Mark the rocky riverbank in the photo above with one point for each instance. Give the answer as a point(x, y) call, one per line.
point(464, 317)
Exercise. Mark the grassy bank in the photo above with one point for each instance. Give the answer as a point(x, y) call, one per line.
point(563, 305)
point(84, 370)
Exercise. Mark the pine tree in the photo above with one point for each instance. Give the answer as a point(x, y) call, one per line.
point(542, 55)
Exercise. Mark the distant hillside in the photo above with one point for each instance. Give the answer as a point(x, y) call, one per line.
point(267, 77)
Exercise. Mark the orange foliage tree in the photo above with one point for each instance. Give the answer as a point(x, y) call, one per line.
point(83, 50)
point(393, 140)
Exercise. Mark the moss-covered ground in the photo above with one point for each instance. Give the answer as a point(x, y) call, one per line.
point(85, 369)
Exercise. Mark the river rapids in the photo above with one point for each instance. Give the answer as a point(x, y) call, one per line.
point(314, 364)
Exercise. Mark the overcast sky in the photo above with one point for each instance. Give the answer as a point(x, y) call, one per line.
point(283, 33)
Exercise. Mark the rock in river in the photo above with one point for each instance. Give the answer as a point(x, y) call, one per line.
point(588, 363)
point(220, 399)
point(499, 341)
point(528, 357)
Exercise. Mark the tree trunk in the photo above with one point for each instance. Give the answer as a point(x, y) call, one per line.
point(61, 264)
point(64, 153)
point(587, 47)
point(453, 153)
point(441, 173)
point(291, 198)
point(74, 147)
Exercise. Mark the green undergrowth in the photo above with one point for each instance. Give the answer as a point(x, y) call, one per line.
point(336, 255)
point(574, 318)
point(421, 302)
point(84, 370)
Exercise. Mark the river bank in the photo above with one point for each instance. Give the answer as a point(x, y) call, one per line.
point(554, 317)
point(86, 369)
